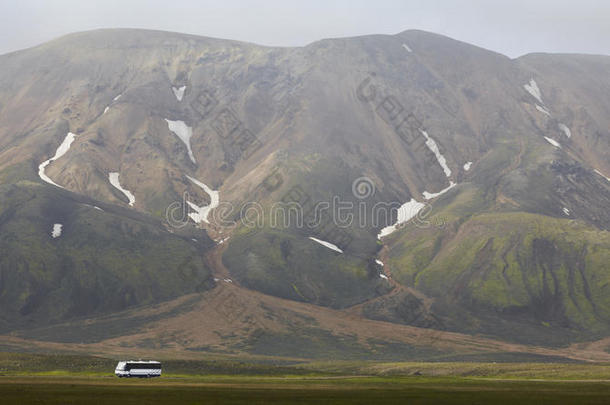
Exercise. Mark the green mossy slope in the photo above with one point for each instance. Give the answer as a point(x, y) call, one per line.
point(513, 274)
point(104, 260)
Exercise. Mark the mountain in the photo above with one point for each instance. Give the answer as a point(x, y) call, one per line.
point(408, 183)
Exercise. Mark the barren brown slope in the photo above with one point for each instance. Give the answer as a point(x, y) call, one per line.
point(231, 321)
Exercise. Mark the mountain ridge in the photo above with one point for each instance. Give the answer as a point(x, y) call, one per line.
point(497, 158)
point(211, 38)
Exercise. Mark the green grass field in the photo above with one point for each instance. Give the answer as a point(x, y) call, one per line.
point(70, 379)
point(297, 390)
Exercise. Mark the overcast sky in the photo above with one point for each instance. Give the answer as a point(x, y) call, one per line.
point(514, 27)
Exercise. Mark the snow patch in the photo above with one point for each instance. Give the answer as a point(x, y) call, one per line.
point(379, 262)
point(201, 213)
point(61, 150)
point(98, 208)
point(552, 142)
point(117, 97)
point(227, 280)
point(179, 92)
point(543, 110)
point(566, 211)
point(565, 130)
point(429, 196)
point(532, 88)
point(383, 276)
point(326, 244)
point(407, 48)
point(184, 132)
point(198, 216)
point(406, 211)
point(114, 180)
point(600, 173)
point(431, 144)
point(467, 166)
point(106, 110)
point(56, 232)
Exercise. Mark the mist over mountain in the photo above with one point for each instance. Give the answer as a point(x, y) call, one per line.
point(401, 196)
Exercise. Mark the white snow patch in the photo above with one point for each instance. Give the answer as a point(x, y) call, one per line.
point(62, 150)
point(408, 49)
point(467, 166)
point(379, 262)
point(543, 110)
point(201, 213)
point(600, 173)
point(431, 144)
point(566, 211)
point(552, 142)
point(220, 242)
point(216, 279)
point(106, 110)
point(114, 180)
point(566, 130)
point(429, 196)
point(383, 276)
point(198, 216)
point(42, 174)
point(179, 92)
point(227, 280)
point(184, 132)
point(56, 232)
point(406, 211)
point(98, 208)
point(532, 88)
point(326, 244)
point(117, 97)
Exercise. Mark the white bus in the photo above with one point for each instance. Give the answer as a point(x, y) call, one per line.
point(139, 368)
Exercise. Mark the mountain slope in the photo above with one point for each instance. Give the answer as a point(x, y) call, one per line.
point(64, 257)
point(295, 161)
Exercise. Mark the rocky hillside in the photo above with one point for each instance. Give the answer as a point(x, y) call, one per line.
point(410, 179)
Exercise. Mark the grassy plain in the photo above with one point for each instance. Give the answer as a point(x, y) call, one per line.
point(65, 379)
point(299, 390)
